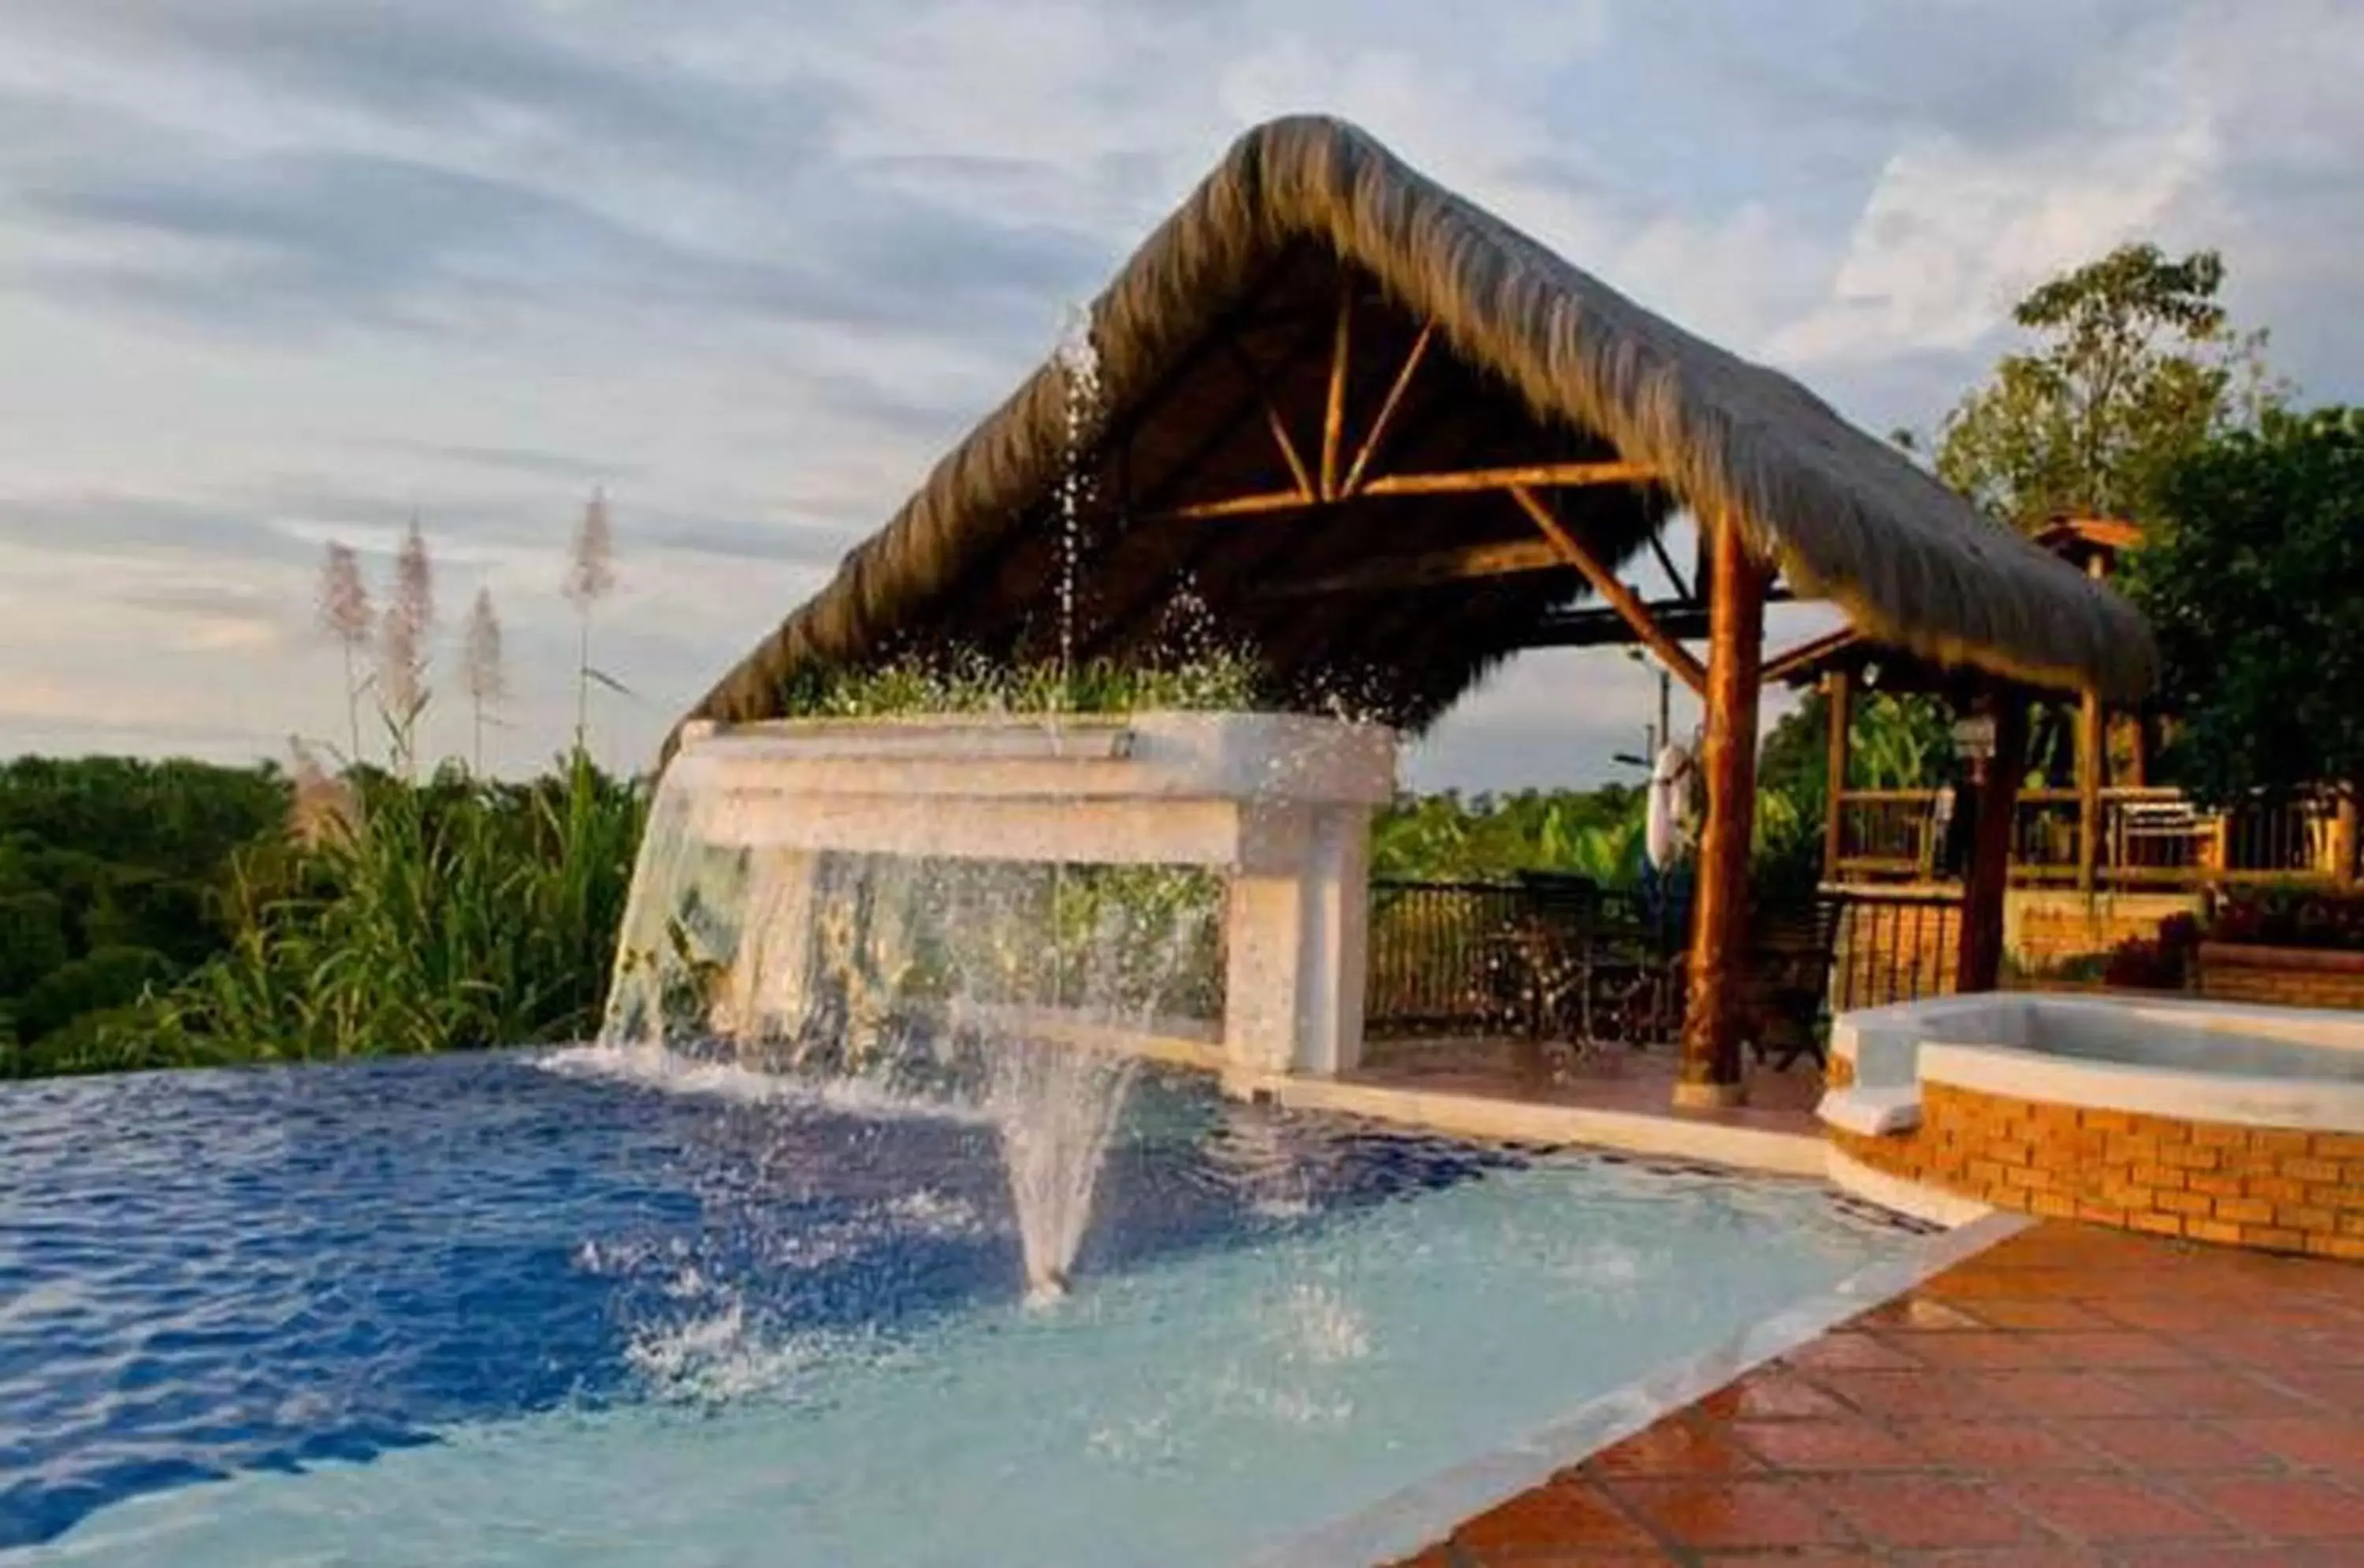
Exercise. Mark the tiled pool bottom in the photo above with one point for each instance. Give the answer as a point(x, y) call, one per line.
point(2070, 1396)
point(472, 1310)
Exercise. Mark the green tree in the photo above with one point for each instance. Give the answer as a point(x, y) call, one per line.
point(2253, 578)
point(2134, 364)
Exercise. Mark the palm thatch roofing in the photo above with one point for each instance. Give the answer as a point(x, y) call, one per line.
point(2091, 545)
point(1224, 325)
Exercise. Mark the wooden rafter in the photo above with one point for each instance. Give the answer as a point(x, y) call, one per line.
point(1507, 557)
point(1672, 653)
point(1262, 502)
point(1333, 412)
point(1459, 482)
point(1117, 620)
point(1262, 382)
point(1289, 455)
point(1353, 483)
point(1535, 477)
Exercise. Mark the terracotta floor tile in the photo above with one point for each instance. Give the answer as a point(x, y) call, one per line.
point(2004, 1446)
point(2116, 1348)
point(1730, 1513)
point(1920, 1313)
point(1986, 1348)
point(1854, 1351)
point(1571, 1557)
point(2213, 1391)
point(2043, 1314)
point(2099, 1507)
point(1905, 1394)
point(1850, 1445)
point(1673, 1447)
point(1772, 1395)
point(2155, 1443)
point(2070, 1398)
point(2339, 1391)
point(1919, 1511)
point(1801, 1557)
point(2050, 1554)
point(2071, 1393)
point(2296, 1507)
point(2314, 1442)
point(1563, 1514)
point(2232, 1554)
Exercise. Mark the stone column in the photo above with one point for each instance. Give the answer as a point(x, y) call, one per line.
point(1296, 937)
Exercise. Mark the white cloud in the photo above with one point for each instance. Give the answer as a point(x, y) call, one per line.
point(755, 267)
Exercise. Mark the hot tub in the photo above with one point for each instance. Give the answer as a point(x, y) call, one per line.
point(2221, 1122)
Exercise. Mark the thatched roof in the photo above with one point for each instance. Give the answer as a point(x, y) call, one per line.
point(2090, 545)
point(1228, 308)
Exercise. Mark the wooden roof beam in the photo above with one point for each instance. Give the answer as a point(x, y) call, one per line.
point(1432, 568)
point(1615, 593)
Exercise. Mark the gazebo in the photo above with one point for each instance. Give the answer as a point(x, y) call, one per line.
point(1384, 440)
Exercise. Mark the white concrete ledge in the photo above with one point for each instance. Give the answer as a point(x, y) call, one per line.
point(1872, 1113)
point(1933, 1206)
point(1487, 1120)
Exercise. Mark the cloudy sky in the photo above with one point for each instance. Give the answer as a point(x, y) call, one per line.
point(278, 272)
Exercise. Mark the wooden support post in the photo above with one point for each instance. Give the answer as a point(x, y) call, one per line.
point(1626, 602)
point(1720, 930)
point(2343, 839)
point(1838, 695)
point(2091, 763)
point(1995, 796)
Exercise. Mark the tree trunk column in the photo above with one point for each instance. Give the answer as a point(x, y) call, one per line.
point(1979, 959)
point(1712, 1019)
point(2091, 765)
point(1838, 694)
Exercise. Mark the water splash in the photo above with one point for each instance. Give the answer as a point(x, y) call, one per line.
point(1078, 358)
point(993, 994)
point(960, 988)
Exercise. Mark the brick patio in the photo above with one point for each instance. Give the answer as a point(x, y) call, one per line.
point(2072, 1396)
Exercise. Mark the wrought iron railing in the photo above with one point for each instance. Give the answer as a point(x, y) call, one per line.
point(1441, 959)
point(1893, 946)
point(2143, 838)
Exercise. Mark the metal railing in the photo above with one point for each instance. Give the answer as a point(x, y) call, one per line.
point(2144, 838)
point(1893, 946)
point(1440, 958)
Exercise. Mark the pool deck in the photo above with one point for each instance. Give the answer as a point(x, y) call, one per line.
point(1612, 1098)
point(2069, 1396)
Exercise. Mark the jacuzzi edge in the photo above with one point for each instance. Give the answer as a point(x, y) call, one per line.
point(2143, 1090)
point(1429, 1510)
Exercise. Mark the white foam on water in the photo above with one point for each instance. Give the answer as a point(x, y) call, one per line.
point(673, 1071)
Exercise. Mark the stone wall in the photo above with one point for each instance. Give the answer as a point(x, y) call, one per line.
point(2280, 1190)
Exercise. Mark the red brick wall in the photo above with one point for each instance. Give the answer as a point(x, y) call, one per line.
point(2286, 977)
point(2284, 1191)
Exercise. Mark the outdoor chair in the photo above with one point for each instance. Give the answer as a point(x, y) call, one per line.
point(1789, 987)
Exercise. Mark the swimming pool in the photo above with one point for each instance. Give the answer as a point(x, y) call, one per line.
point(516, 1309)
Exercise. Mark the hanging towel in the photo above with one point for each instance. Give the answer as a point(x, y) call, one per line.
point(1670, 779)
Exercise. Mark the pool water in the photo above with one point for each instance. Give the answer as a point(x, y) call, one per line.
point(532, 1308)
